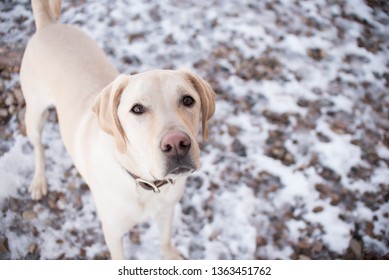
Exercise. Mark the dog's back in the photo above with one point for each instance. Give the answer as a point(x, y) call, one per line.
point(64, 54)
point(62, 66)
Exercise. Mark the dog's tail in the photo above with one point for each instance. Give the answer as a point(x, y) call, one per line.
point(45, 12)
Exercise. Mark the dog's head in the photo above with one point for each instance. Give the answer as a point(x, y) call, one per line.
point(154, 117)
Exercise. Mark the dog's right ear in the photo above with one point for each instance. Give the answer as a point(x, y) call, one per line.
point(106, 107)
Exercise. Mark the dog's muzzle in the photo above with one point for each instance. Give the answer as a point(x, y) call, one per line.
point(176, 147)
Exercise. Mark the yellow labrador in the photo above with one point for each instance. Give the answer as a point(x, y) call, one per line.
point(132, 138)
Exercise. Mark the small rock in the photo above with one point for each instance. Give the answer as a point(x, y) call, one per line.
point(276, 118)
point(360, 172)
point(303, 245)
point(370, 229)
point(3, 113)
point(61, 256)
point(302, 102)
point(169, 40)
point(82, 253)
point(4, 245)
point(20, 19)
point(339, 127)
point(35, 232)
point(323, 138)
point(155, 13)
point(271, 189)
point(89, 242)
point(62, 201)
point(29, 215)
point(324, 102)
point(322, 188)
point(135, 237)
point(52, 199)
point(103, 256)
point(11, 109)
point(239, 148)
point(266, 183)
point(356, 247)
point(131, 60)
point(233, 130)
point(214, 235)
point(277, 152)
point(261, 241)
point(276, 137)
point(329, 174)
point(135, 37)
point(317, 54)
point(52, 203)
point(84, 187)
point(72, 185)
point(5, 74)
point(9, 100)
point(335, 199)
point(209, 214)
point(14, 205)
point(317, 209)
point(304, 257)
point(77, 201)
point(32, 248)
point(288, 159)
point(317, 246)
point(314, 159)
point(18, 96)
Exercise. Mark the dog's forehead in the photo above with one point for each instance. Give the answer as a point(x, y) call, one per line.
point(157, 83)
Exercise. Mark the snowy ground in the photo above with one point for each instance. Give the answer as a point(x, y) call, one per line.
point(297, 162)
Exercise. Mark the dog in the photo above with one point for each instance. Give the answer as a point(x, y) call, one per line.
point(131, 137)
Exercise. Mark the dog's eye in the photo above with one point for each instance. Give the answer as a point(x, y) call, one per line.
point(138, 109)
point(188, 101)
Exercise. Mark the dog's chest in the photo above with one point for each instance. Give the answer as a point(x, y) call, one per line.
point(152, 204)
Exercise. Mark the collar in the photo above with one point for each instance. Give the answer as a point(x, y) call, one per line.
point(150, 185)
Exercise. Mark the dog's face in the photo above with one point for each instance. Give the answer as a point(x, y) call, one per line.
point(154, 118)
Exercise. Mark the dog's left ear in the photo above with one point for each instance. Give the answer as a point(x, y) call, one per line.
point(207, 97)
point(106, 109)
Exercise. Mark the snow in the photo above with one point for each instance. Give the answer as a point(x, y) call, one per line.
point(239, 205)
point(380, 175)
point(12, 173)
point(360, 9)
point(339, 154)
point(336, 236)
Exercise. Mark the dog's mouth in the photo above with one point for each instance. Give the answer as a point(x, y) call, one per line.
point(185, 167)
point(180, 166)
point(181, 170)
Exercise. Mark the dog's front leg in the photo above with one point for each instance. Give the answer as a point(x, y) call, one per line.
point(114, 239)
point(165, 220)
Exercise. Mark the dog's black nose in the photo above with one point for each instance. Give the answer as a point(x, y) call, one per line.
point(175, 144)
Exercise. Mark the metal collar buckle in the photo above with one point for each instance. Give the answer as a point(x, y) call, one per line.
point(150, 185)
point(153, 186)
